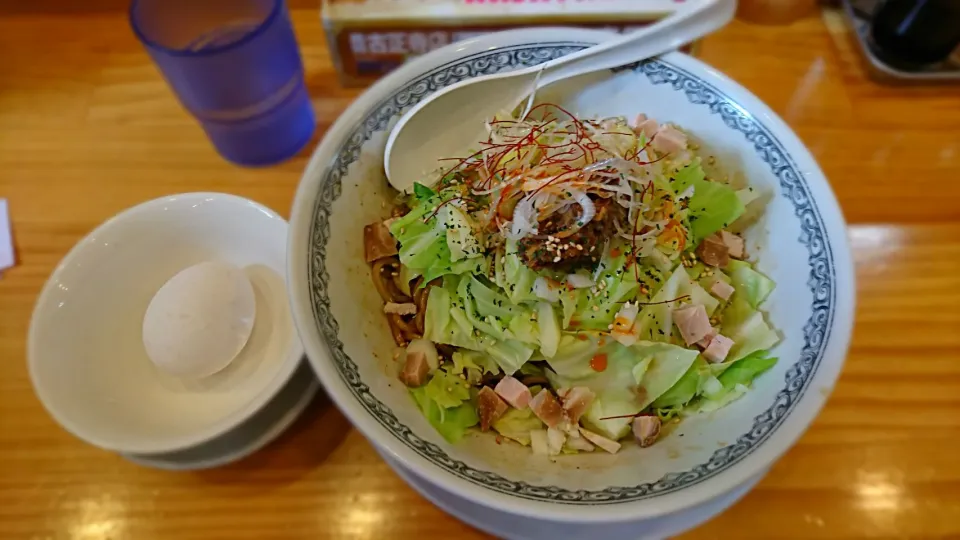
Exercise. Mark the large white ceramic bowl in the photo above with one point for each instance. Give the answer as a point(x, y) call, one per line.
point(801, 243)
point(85, 349)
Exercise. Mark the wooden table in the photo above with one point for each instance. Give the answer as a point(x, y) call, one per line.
point(87, 128)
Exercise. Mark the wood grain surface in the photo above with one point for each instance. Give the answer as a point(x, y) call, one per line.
point(88, 128)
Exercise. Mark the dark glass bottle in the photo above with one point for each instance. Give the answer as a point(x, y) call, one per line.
point(915, 33)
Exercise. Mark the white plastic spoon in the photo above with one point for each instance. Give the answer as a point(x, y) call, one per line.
point(452, 120)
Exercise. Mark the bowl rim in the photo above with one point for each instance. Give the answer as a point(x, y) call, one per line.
point(762, 455)
point(225, 424)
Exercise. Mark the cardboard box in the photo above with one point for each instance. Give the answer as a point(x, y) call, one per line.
point(369, 38)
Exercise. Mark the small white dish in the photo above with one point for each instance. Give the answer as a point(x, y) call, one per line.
point(251, 435)
point(518, 527)
point(86, 355)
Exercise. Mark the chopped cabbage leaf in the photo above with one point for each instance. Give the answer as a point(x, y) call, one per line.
point(721, 400)
point(446, 389)
point(473, 364)
point(517, 424)
point(616, 283)
point(517, 279)
point(549, 328)
point(747, 195)
point(461, 236)
point(451, 423)
point(490, 302)
point(713, 205)
point(572, 360)
point(524, 327)
point(741, 320)
point(422, 192)
point(752, 286)
point(446, 322)
point(655, 321)
point(747, 328)
point(686, 388)
point(423, 236)
point(735, 380)
point(616, 387)
point(489, 325)
point(510, 354)
point(748, 368)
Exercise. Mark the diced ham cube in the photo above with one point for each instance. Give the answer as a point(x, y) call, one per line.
point(378, 242)
point(718, 349)
point(490, 407)
point(514, 392)
point(734, 244)
point(400, 309)
point(415, 369)
point(646, 429)
point(647, 127)
point(577, 401)
point(669, 140)
point(693, 323)
point(721, 289)
point(713, 252)
point(705, 342)
point(547, 408)
point(601, 441)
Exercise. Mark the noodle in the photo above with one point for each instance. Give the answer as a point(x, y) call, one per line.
point(397, 333)
point(420, 297)
point(383, 271)
point(408, 329)
point(404, 328)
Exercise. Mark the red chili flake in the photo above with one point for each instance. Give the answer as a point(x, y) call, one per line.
point(615, 252)
point(499, 439)
point(599, 362)
point(573, 324)
point(582, 337)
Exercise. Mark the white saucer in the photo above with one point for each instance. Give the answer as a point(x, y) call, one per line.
point(248, 437)
point(516, 527)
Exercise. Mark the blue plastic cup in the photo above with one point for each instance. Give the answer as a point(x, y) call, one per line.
point(234, 65)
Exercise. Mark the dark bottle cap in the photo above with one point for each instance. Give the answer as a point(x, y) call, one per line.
point(914, 33)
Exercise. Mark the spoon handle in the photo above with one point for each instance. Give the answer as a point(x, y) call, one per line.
point(663, 36)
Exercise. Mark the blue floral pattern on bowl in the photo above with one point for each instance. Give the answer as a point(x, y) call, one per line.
point(821, 279)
